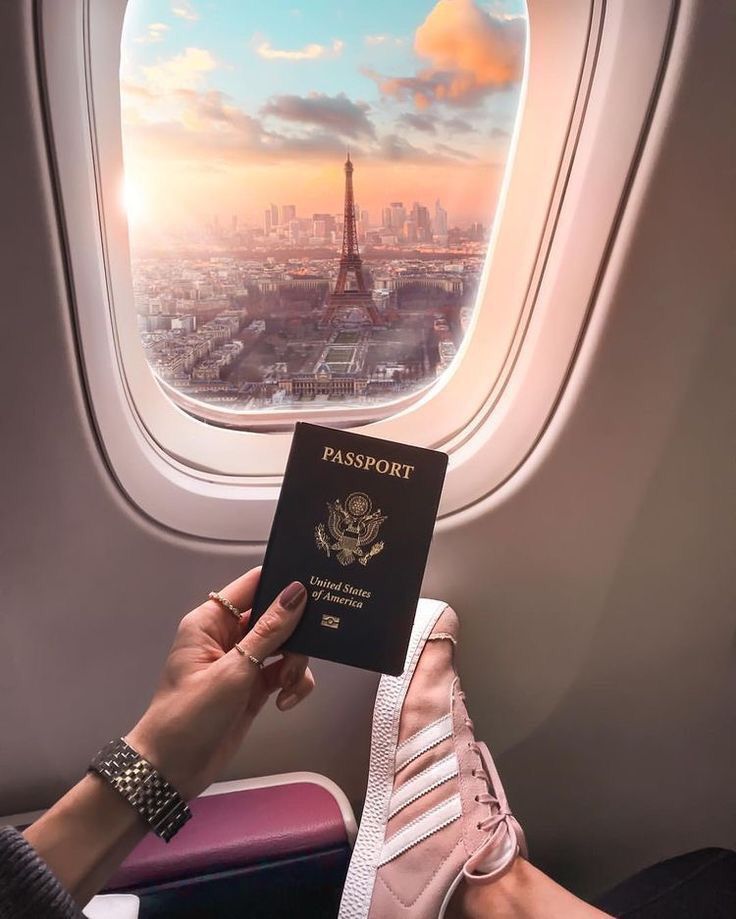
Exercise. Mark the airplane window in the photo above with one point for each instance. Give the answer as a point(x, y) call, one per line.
point(310, 191)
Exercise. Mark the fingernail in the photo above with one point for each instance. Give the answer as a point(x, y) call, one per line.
point(292, 595)
point(289, 701)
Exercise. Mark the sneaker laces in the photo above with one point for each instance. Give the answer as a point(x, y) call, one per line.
point(505, 836)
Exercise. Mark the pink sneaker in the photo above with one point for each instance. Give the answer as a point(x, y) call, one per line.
point(435, 811)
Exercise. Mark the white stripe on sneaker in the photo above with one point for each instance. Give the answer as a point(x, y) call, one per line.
point(423, 740)
point(420, 829)
point(423, 782)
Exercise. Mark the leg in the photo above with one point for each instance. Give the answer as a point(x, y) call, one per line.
point(437, 838)
point(524, 892)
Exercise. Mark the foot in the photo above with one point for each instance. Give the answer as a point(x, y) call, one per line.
point(435, 813)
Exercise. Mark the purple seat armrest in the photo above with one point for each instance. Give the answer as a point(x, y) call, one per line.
point(236, 830)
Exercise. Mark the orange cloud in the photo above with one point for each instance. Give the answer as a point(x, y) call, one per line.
point(471, 53)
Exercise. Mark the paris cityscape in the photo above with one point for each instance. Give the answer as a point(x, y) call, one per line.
point(350, 308)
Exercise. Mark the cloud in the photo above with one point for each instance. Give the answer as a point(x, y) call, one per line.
point(432, 123)
point(453, 152)
point(205, 127)
point(460, 125)
point(334, 113)
point(421, 89)
point(155, 32)
point(184, 10)
point(425, 123)
point(374, 40)
point(471, 53)
point(135, 92)
point(479, 50)
point(311, 52)
point(184, 71)
point(394, 148)
point(192, 127)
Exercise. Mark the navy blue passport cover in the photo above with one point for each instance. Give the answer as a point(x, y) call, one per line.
point(353, 523)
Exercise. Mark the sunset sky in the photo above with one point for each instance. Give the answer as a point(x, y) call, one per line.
point(230, 105)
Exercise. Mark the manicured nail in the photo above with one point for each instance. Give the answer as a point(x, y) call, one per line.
point(289, 702)
point(292, 595)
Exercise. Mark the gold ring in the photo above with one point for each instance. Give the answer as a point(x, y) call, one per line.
point(223, 601)
point(253, 660)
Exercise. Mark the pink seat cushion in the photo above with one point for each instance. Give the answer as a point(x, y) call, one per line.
point(238, 829)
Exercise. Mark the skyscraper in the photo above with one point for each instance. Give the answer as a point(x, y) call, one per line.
point(322, 225)
point(440, 222)
point(398, 216)
point(274, 216)
point(420, 216)
point(288, 213)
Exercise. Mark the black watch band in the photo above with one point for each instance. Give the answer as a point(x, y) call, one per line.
point(142, 786)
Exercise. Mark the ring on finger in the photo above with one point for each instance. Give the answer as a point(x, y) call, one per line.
point(244, 653)
point(224, 602)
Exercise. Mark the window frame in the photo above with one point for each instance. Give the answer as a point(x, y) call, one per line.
point(512, 366)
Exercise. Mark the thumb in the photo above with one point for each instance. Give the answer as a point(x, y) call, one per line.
point(278, 622)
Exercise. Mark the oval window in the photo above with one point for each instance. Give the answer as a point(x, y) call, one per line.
point(310, 191)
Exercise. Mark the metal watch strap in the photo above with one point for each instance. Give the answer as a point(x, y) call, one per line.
point(159, 803)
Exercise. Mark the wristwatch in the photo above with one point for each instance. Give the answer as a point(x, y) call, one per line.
point(142, 786)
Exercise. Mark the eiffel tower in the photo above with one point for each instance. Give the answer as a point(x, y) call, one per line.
point(344, 298)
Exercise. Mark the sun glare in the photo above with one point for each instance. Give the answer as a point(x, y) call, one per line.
point(134, 202)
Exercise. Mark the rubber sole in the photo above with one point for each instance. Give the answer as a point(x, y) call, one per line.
point(361, 876)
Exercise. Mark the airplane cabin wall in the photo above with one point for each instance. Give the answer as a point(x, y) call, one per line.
point(596, 589)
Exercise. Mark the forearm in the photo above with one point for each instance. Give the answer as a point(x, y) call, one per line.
point(85, 836)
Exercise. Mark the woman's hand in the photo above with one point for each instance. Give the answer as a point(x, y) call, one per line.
point(208, 697)
point(210, 692)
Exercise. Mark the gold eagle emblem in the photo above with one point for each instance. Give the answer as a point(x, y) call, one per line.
point(353, 528)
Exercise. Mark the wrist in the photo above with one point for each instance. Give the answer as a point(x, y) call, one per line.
point(164, 757)
point(143, 786)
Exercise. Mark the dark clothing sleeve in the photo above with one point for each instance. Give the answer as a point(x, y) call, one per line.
point(28, 888)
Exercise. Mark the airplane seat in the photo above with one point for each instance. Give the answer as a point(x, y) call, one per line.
point(695, 884)
point(250, 842)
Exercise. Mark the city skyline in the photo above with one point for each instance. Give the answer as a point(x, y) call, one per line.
point(227, 108)
point(397, 223)
point(248, 333)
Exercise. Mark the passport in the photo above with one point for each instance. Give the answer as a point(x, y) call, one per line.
point(353, 523)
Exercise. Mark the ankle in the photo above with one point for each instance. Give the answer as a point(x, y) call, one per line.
point(523, 892)
point(501, 898)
